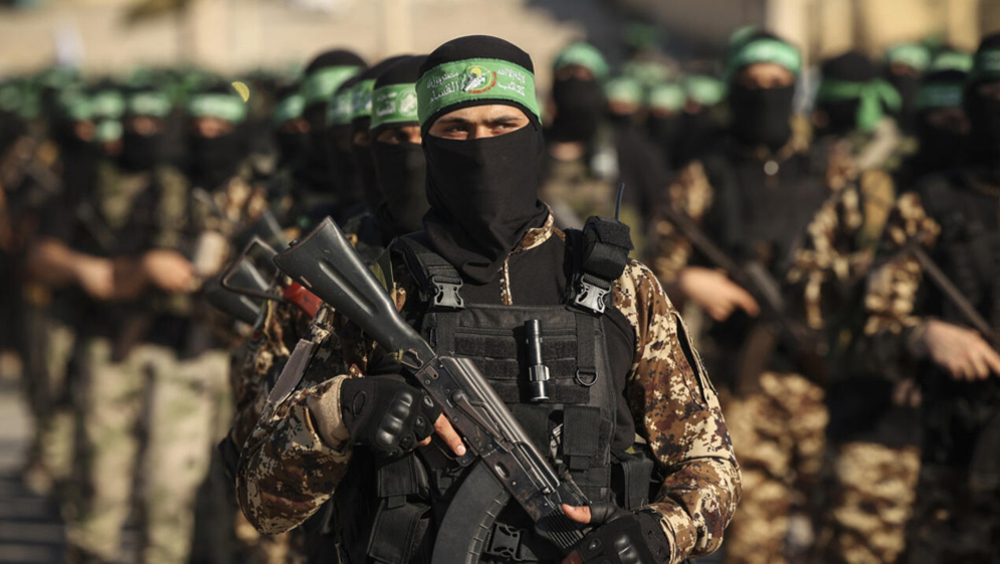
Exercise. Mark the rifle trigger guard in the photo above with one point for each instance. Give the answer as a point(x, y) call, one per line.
point(591, 297)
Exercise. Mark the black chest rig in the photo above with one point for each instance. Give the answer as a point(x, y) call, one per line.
point(571, 417)
point(968, 251)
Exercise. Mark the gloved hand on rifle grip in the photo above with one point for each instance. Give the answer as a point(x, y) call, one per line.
point(621, 537)
point(386, 414)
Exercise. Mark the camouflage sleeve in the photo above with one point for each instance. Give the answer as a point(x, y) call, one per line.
point(891, 295)
point(172, 209)
point(286, 469)
point(677, 411)
point(692, 194)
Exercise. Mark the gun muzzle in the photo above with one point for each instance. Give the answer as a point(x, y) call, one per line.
point(538, 373)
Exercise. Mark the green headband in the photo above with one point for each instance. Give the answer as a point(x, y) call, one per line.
point(914, 56)
point(765, 50)
point(226, 107)
point(394, 104)
point(153, 104)
point(986, 66)
point(288, 109)
point(108, 130)
point(625, 90)
point(11, 97)
point(648, 73)
point(75, 105)
point(952, 60)
point(322, 83)
point(338, 111)
point(872, 95)
point(935, 96)
point(456, 82)
point(583, 55)
point(668, 97)
point(108, 103)
point(361, 99)
point(705, 90)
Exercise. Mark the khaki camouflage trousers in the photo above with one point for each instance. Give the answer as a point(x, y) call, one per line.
point(176, 402)
point(778, 434)
point(47, 371)
point(950, 523)
point(872, 500)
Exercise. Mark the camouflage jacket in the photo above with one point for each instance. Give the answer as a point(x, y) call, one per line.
point(838, 242)
point(287, 470)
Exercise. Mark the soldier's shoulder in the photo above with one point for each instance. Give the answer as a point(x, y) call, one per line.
point(638, 293)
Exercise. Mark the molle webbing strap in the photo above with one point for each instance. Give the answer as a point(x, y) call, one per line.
point(439, 281)
point(398, 527)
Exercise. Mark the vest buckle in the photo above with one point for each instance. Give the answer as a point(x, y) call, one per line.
point(591, 296)
point(586, 378)
point(446, 295)
point(505, 542)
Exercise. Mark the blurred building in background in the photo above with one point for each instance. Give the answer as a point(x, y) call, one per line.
point(237, 35)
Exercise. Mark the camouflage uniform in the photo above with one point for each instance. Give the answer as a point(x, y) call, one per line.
point(953, 519)
point(779, 429)
point(287, 471)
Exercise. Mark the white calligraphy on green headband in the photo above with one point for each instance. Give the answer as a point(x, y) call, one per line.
point(766, 51)
point(108, 103)
point(939, 96)
point(394, 104)
point(226, 107)
point(338, 111)
point(986, 66)
point(152, 104)
point(361, 99)
point(288, 109)
point(467, 80)
point(322, 83)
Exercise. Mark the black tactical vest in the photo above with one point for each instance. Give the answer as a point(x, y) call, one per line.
point(968, 251)
point(574, 423)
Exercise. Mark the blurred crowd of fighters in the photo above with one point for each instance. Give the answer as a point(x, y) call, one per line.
point(800, 246)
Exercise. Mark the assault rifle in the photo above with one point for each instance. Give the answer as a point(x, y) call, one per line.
point(984, 466)
point(506, 463)
point(807, 344)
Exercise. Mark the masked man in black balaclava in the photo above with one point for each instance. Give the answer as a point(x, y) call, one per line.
point(492, 245)
point(291, 131)
point(905, 65)
point(766, 199)
point(315, 179)
point(942, 128)
point(953, 216)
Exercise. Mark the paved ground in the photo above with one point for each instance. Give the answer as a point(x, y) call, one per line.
point(30, 529)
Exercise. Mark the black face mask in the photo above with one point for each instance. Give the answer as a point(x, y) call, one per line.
point(984, 135)
point(369, 189)
point(484, 197)
point(907, 87)
point(215, 159)
point(842, 116)
point(761, 116)
point(141, 152)
point(697, 133)
point(402, 176)
point(579, 105)
point(290, 145)
point(940, 148)
point(666, 132)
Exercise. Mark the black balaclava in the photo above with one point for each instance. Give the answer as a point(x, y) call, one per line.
point(338, 145)
point(940, 148)
point(579, 108)
point(367, 190)
point(984, 111)
point(401, 168)
point(216, 159)
point(483, 193)
point(290, 145)
point(849, 67)
point(315, 112)
point(142, 152)
point(761, 116)
point(907, 86)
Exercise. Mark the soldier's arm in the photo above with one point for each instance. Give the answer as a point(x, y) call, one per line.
point(690, 193)
point(893, 287)
point(677, 411)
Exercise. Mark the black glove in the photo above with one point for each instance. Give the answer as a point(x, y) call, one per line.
point(386, 414)
point(628, 538)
